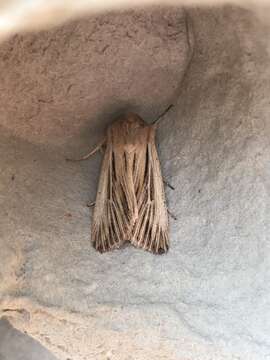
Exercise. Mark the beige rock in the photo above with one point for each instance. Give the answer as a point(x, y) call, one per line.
point(29, 15)
point(208, 298)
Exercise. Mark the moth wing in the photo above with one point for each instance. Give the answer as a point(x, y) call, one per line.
point(150, 231)
point(108, 224)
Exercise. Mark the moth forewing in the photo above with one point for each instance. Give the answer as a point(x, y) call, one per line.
point(151, 231)
point(130, 203)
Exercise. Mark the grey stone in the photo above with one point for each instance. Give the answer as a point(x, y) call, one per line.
point(208, 298)
point(15, 345)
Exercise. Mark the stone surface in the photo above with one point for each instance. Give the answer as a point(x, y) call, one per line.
point(17, 346)
point(27, 15)
point(208, 298)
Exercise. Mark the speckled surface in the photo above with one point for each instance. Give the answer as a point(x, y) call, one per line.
point(15, 345)
point(208, 298)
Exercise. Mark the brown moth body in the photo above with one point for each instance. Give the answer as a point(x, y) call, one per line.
point(130, 203)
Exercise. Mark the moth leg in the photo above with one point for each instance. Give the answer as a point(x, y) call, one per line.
point(90, 204)
point(171, 187)
point(92, 152)
point(172, 215)
point(168, 184)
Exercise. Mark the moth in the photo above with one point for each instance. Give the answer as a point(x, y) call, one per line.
point(130, 202)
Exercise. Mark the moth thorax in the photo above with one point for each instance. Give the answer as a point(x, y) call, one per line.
point(133, 120)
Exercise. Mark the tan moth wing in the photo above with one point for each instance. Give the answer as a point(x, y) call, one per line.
point(130, 203)
point(151, 228)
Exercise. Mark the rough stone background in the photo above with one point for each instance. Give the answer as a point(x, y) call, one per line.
point(208, 298)
point(27, 15)
point(17, 346)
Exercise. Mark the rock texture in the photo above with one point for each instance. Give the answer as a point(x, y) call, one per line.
point(17, 346)
point(22, 15)
point(208, 298)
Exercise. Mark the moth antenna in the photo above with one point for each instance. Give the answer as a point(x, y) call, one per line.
point(162, 114)
point(92, 152)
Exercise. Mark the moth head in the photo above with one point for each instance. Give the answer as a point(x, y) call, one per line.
point(133, 120)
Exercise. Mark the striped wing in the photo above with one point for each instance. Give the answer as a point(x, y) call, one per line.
point(130, 203)
point(109, 226)
point(150, 231)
